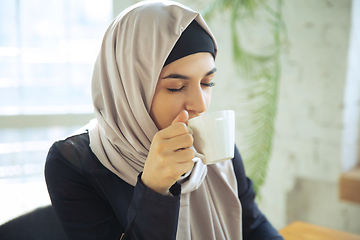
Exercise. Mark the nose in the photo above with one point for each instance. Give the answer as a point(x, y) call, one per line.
point(196, 103)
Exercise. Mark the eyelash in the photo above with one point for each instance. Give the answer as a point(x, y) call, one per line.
point(182, 88)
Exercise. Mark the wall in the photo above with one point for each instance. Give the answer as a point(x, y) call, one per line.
point(351, 118)
point(302, 182)
point(306, 163)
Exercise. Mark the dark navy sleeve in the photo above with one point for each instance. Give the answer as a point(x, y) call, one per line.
point(86, 211)
point(255, 225)
point(152, 215)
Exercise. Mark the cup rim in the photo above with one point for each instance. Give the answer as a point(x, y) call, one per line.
point(211, 114)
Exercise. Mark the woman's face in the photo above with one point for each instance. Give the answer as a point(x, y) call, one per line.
point(184, 84)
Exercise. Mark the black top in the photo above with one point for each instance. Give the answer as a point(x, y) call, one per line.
point(91, 202)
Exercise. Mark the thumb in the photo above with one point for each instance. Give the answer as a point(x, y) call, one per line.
point(183, 117)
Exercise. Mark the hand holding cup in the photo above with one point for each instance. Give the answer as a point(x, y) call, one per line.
point(170, 155)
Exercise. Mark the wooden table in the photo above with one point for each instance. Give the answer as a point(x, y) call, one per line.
point(305, 231)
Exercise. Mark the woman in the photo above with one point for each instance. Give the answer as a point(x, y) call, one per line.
point(131, 172)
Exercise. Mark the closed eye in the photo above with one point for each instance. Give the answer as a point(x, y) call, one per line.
point(208, 84)
point(173, 90)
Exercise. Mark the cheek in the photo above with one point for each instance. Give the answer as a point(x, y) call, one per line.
point(207, 97)
point(164, 109)
point(172, 107)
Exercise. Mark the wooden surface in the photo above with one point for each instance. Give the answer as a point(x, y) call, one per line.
point(350, 186)
point(304, 231)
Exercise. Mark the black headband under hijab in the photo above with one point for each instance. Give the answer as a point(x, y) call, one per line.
point(194, 39)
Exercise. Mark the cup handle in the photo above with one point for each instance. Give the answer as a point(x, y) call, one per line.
point(190, 130)
point(199, 155)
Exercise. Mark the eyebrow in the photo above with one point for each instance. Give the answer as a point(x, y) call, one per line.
point(179, 76)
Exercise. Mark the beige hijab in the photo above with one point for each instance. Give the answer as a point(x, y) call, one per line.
point(133, 51)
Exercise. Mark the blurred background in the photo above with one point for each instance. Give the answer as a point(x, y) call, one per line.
point(47, 52)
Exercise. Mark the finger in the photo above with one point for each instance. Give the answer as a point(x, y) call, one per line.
point(177, 169)
point(173, 130)
point(183, 117)
point(183, 156)
point(180, 142)
point(184, 167)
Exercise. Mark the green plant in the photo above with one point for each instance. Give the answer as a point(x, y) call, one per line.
point(262, 71)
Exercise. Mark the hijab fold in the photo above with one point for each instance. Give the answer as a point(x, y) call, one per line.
point(133, 52)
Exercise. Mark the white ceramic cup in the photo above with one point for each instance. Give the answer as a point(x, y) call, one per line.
point(214, 135)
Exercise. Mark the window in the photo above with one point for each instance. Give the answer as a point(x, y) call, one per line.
point(349, 183)
point(47, 52)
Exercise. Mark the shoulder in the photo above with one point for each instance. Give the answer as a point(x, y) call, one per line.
point(75, 152)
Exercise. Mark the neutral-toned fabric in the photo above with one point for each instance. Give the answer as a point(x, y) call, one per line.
point(133, 51)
